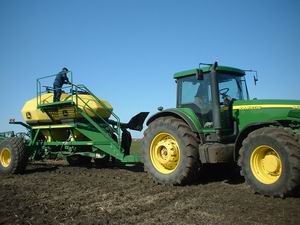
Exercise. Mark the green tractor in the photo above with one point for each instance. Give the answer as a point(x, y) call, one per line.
point(216, 122)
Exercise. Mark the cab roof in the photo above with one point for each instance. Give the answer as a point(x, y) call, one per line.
point(207, 69)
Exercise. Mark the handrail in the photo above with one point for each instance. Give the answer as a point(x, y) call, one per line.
point(84, 88)
point(74, 98)
point(96, 114)
point(97, 126)
point(39, 86)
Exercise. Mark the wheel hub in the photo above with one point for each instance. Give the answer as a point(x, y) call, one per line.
point(5, 157)
point(164, 152)
point(266, 164)
point(271, 163)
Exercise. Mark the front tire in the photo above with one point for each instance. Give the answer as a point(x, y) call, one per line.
point(13, 156)
point(170, 151)
point(270, 161)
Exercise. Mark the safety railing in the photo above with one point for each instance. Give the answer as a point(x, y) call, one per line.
point(48, 89)
point(83, 89)
point(74, 97)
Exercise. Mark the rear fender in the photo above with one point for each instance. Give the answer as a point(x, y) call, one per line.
point(246, 131)
point(185, 114)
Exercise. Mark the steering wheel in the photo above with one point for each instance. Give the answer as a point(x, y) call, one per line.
point(224, 92)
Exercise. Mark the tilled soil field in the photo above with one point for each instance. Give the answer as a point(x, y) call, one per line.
point(54, 193)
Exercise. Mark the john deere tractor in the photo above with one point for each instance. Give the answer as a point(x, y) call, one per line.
point(216, 122)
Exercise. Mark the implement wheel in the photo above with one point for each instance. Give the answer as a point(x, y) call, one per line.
point(170, 151)
point(270, 161)
point(78, 160)
point(13, 157)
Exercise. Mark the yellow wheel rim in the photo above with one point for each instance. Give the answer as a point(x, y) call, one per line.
point(164, 153)
point(5, 157)
point(266, 164)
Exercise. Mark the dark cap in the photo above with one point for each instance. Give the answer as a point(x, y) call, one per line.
point(65, 69)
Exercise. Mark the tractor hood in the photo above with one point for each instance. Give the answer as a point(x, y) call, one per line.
point(256, 111)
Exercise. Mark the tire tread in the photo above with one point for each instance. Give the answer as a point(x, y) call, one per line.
point(190, 140)
point(20, 158)
point(291, 142)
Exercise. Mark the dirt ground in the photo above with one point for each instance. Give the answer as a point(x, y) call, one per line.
point(54, 193)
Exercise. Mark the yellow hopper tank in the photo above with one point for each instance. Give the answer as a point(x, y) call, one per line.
point(86, 102)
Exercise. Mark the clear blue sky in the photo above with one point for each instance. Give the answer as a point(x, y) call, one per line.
point(128, 51)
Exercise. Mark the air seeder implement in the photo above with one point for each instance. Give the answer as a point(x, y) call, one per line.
point(81, 127)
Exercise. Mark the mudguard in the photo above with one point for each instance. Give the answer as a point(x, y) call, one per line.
point(186, 114)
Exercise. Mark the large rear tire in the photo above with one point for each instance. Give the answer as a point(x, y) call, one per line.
point(13, 156)
point(170, 151)
point(270, 161)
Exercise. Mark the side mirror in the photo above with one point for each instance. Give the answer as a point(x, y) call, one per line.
point(199, 74)
point(255, 78)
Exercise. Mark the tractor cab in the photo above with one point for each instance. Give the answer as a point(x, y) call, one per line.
point(210, 92)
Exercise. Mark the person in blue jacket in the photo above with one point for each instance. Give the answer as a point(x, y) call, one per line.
point(60, 79)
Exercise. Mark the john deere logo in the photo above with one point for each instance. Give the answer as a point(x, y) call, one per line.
point(28, 115)
point(65, 113)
